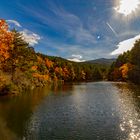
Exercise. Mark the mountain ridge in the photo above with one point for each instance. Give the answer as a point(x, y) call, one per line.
point(104, 61)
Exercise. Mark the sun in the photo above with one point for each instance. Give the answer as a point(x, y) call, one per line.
point(127, 7)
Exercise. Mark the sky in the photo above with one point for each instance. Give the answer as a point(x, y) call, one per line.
point(77, 30)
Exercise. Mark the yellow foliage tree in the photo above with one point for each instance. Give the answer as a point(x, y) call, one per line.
point(39, 59)
point(6, 40)
point(125, 68)
point(83, 74)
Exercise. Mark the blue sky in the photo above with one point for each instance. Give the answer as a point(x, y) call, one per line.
point(75, 29)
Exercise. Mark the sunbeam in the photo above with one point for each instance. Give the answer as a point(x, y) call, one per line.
point(126, 7)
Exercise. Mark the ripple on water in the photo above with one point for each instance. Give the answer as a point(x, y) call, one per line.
point(87, 111)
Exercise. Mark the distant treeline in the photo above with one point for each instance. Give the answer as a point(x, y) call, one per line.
point(127, 66)
point(22, 68)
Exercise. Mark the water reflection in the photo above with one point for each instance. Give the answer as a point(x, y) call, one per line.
point(86, 111)
point(130, 112)
point(5, 132)
point(16, 111)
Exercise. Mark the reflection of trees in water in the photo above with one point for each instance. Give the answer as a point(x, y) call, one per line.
point(130, 109)
point(61, 89)
point(16, 111)
point(5, 132)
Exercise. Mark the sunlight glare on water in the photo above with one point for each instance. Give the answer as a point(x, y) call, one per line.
point(84, 111)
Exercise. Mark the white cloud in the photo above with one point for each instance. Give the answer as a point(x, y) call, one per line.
point(126, 8)
point(68, 51)
point(76, 58)
point(67, 22)
point(14, 22)
point(82, 35)
point(73, 26)
point(30, 37)
point(125, 45)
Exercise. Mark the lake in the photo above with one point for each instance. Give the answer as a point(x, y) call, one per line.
point(81, 111)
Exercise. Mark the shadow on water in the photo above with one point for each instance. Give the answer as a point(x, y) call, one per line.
point(5, 132)
point(99, 110)
point(15, 111)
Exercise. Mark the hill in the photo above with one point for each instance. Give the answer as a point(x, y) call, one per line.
point(101, 61)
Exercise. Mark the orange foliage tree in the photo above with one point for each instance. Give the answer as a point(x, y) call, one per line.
point(34, 68)
point(125, 68)
point(65, 73)
point(59, 72)
point(6, 39)
point(48, 63)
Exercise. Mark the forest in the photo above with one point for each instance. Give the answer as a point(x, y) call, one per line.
point(127, 66)
point(22, 68)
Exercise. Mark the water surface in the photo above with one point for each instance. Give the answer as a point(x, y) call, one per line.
point(85, 111)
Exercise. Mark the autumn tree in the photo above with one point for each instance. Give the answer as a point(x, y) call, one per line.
point(48, 63)
point(6, 40)
point(125, 68)
point(21, 56)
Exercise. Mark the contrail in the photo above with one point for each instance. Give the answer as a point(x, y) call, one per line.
point(112, 29)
